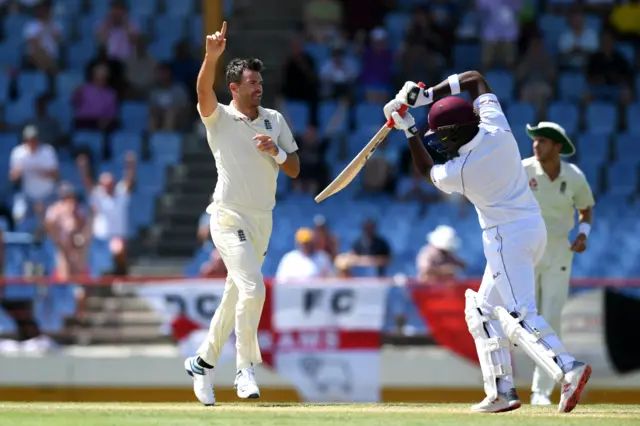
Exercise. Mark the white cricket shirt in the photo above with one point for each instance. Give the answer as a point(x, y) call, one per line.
point(297, 265)
point(559, 198)
point(44, 159)
point(489, 170)
point(111, 212)
point(246, 176)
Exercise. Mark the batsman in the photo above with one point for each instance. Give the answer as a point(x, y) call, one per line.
point(561, 189)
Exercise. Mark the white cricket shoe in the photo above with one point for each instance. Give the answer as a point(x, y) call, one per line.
point(574, 383)
point(540, 399)
point(202, 381)
point(246, 385)
point(504, 402)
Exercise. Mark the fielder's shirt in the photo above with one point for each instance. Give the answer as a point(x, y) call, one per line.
point(246, 176)
point(559, 198)
point(489, 170)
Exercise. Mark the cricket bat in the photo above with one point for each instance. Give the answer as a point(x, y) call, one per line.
point(353, 168)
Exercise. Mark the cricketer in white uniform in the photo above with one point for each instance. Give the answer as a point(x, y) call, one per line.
point(561, 189)
point(485, 166)
point(250, 144)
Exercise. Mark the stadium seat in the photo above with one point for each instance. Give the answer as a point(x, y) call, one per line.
point(180, 8)
point(70, 8)
point(326, 112)
point(4, 87)
point(552, 26)
point(627, 147)
point(67, 82)
point(571, 86)
point(593, 145)
point(32, 84)
point(319, 52)
point(601, 117)
point(297, 115)
point(62, 111)
point(502, 84)
point(628, 51)
point(591, 168)
point(466, 55)
point(13, 25)
point(165, 147)
point(520, 114)
point(177, 23)
point(162, 48)
point(79, 54)
point(566, 114)
point(93, 141)
point(196, 30)
point(134, 116)
point(19, 112)
point(69, 173)
point(633, 118)
point(622, 178)
point(11, 53)
point(369, 115)
point(146, 7)
point(124, 141)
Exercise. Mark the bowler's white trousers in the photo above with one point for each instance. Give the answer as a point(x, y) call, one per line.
point(552, 274)
point(512, 251)
point(241, 236)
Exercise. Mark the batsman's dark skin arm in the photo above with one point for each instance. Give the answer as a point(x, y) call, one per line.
point(470, 81)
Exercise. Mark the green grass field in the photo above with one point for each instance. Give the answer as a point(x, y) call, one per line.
point(125, 414)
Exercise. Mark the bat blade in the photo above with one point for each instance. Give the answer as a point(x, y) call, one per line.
point(353, 168)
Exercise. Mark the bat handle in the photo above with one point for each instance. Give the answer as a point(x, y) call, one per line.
point(390, 123)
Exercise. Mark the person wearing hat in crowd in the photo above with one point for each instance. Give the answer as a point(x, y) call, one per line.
point(561, 189)
point(437, 262)
point(33, 168)
point(484, 164)
point(305, 261)
point(325, 240)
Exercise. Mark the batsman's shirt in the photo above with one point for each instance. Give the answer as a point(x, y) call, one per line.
point(489, 170)
point(559, 198)
point(246, 176)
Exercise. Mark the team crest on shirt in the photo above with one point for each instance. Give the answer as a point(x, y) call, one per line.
point(563, 187)
point(533, 184)
point(267, 124)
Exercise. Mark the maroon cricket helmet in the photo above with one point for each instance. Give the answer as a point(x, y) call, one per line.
point(446, 118)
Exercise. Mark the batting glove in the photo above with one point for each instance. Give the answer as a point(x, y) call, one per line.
point(413, 95)
point(406, 123)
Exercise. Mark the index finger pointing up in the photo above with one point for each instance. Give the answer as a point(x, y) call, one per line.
point(223, 30)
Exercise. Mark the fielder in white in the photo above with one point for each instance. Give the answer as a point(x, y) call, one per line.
point(561, 189)
point(250, 144)
point(485, 166)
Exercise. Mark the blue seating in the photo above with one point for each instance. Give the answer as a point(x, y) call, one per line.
point(622, 178)
point(502, 84)
point(67, 82)
point(68, 7)
point(326, 112)
point(123, 142)
point(19, 112)
point(180, 8)
point(196, 30)
point(79, 54)
point(165, 147)
point(565, 114)
point(627, 146)
point(11, 53)
point(601, 117)
point(162, 48)
point(297, 115)
point(134, 116)
point(62, 111)
point(147, 7)
point(396, 24)
point(91, 140)
point(14, 25)
point(369, 115)
point(175, 23)
point(520, 114)
point(571, 86)
point(32, 84)
point(593, 145)
point(319, 52)
point(632, 118)
point(466, 56)
point(628, 51)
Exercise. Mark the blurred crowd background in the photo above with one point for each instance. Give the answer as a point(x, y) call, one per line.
point(106, 170)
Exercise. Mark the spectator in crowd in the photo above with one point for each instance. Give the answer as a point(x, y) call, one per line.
point(324, 239)
point(625, 20)
point(110, 202)
point(305, 261)
point(536, 75)
point(43, 35)
point(609, 74)
point(69, 225)
point(117, 32)
point(444, 20)
point(378, 176)
point(139, 67)
point(499, 32)
point(49, 129)
point(437, 262)
point(576, 43)
point(116, 70)
point(376, 71)
point(421, 32)
point(214, 267)
point(185, 67)
point(299, 78)
point(323, 19)
point(338, 75)
point(168, 101)
point(313, 168)
point(33, 166)
point(416, 188)
point(342, 265)
point(370, 253)
point(95, 103)
point(204, 229)
point(419, 63)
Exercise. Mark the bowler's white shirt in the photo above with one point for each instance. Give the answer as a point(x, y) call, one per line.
point(297, 265)
point(44, 158)
point(489, 171)
point(246, 176)
point(112, 212)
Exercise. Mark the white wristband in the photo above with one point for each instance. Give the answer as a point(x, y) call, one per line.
point(281, 157)
point(584, 228)
point(428, 94)
point(454, 84)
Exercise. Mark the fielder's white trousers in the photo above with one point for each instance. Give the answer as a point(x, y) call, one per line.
point(242, 238)
point(512, 251)
point(552, 274)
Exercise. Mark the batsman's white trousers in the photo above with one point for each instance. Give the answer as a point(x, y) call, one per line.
point(512, 251)
point(552, 274)
point(241, 237)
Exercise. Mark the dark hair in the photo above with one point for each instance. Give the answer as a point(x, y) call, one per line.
point(235, 68)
